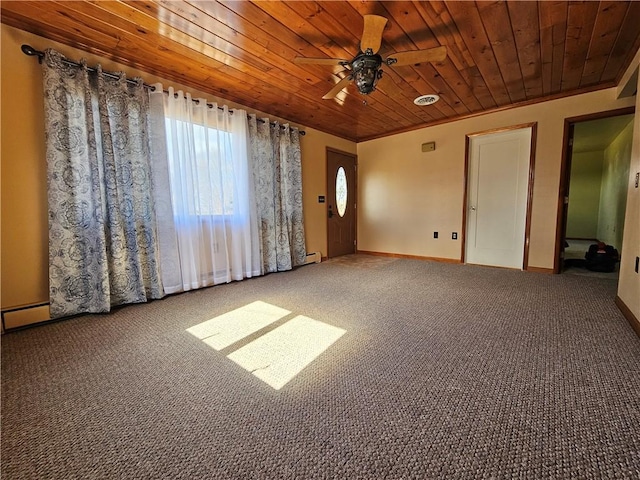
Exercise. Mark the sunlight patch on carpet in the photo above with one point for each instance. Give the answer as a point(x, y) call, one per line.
point(228, 328)
point(282, 353)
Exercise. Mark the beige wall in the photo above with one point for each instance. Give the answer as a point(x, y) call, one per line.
point(629, 280)
point(406, 195)
point(314, 180)
point(613, 191)
point(584, 195)
point(24, 182)
point(24, 229)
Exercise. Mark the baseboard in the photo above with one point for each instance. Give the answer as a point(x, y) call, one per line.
point(313, 257)
point(540, 270)
point(594, 240)
point(411, 257)
point(24, 316)
point(628, 314)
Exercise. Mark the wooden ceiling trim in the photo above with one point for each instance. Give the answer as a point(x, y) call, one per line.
point(605, 33)
point(581, 18)
point(495, 18)
point(524, 21)
point(467, 18)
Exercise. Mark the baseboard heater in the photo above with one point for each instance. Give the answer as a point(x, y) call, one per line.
point(25, 315)
point(313, 257)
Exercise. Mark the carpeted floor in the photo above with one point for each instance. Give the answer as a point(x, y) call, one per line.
point(444, 371)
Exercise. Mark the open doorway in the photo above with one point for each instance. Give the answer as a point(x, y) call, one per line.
point(593, 192)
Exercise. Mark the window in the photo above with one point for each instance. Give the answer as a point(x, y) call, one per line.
point(207, 170)
point(341, 191)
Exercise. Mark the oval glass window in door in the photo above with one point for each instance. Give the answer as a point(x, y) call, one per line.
point(341, 191)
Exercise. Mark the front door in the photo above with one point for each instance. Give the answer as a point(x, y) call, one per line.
point(498, 188)
point(341, 203)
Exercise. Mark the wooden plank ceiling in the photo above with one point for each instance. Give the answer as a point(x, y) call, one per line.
point(498, 53)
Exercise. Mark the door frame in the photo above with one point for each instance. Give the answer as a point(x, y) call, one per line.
point(531, 176)
point(355, 195)
point(565, 173)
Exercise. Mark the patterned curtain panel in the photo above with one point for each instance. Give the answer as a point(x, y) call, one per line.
point(277, 169)
point(102, 235)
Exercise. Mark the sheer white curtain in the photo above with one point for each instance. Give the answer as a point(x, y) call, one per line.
point(209, 185)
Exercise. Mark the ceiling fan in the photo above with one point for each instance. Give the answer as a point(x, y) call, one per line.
point(365, 68)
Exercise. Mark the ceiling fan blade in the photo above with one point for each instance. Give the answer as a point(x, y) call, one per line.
point(372, 33)
point(319, 61)
point(338, 87)
point(437, 54)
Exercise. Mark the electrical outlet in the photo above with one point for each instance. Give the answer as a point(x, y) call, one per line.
point(435, 234)
point(454, 236)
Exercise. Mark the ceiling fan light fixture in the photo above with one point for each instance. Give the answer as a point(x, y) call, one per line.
point(424, 100)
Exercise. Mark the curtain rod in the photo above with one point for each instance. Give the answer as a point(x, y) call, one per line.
point(32, 52)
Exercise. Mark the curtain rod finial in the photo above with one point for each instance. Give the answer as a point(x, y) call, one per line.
point(32, 52)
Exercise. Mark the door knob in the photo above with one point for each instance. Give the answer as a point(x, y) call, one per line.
point(330, 213)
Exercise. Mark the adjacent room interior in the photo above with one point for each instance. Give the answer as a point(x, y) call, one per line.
point(319, 239)
point(599, 175)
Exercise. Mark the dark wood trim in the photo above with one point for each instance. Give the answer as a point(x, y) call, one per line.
point(594, 240)
point(540, 270)
point(628, 314)
point(598, 115)
point(508, 128)
point(463, 242)
point(411, 257)
point(532, 155)
point(532, 170)
point(565, 171)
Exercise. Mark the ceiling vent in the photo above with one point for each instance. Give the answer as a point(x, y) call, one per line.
point(425, 100)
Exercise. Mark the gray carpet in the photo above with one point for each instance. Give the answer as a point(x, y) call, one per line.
point(445, 371)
